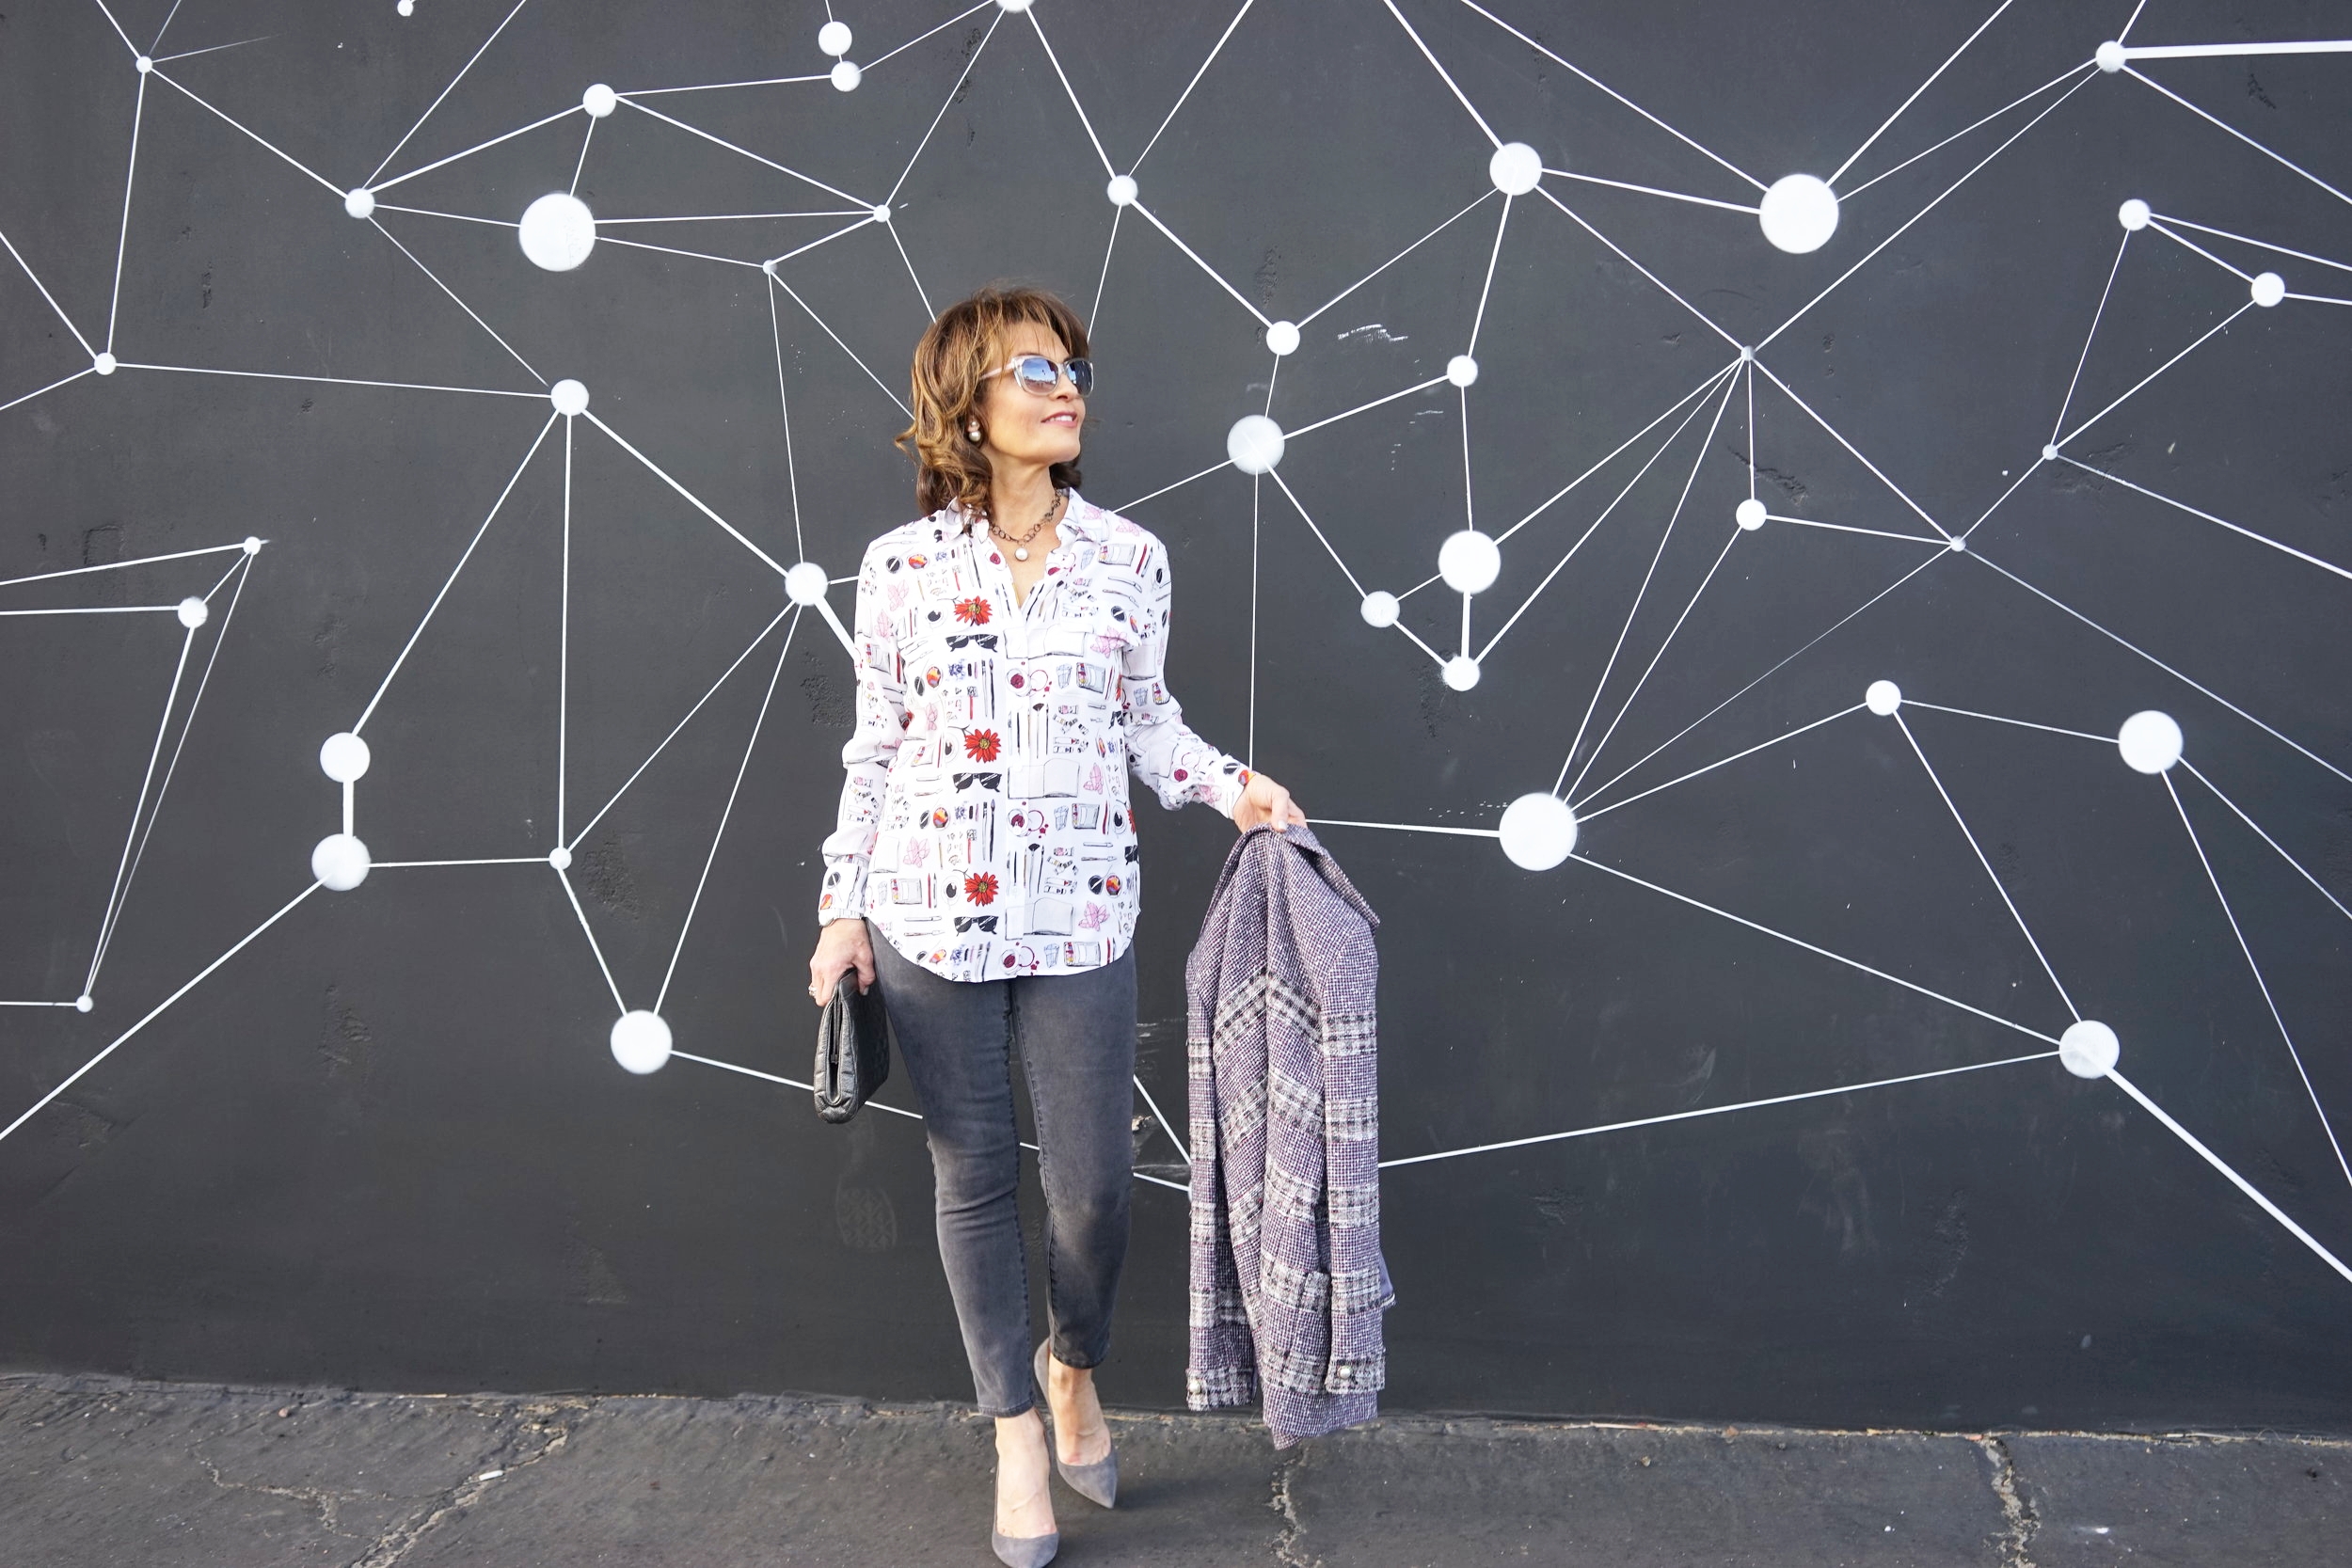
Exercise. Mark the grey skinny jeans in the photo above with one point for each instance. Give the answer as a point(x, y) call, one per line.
point(1077, 1038)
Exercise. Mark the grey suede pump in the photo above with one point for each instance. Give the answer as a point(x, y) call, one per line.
point(1025, 1551)
point(1098, 1483)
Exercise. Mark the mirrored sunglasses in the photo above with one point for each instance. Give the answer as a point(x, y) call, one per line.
point(1036, 373)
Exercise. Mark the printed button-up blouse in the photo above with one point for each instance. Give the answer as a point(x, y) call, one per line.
point(985, 829)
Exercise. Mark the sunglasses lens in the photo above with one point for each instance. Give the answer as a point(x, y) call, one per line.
point(1082, 375)
point(1037, 373)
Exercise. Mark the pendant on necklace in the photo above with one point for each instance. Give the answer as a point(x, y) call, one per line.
point(1021, 552)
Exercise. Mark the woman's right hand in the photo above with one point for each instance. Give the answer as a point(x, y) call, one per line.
point(842, 946)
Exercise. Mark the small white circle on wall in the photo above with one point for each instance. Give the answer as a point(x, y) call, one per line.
point(1882, 698)
point(1121, 190)
point(834, 39)
point(1379, 609)
point(1748, 514)
point(359, 201)
point(845, 76)
point(1461, 672)
point(2269, 289)
point(570, 397)
point(599, 101)
point(1461, 370)
point(1282, 338)
point(2133, 214)
point(194, 612)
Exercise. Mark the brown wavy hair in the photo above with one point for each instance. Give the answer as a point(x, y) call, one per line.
point(966, 341)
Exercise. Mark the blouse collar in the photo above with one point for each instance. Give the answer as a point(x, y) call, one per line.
point(1081, 520)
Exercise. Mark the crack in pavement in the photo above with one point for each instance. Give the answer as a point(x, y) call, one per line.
point(2021, 1522)
point(327, 1503)
point(1286, 1545)
point(552, 1423)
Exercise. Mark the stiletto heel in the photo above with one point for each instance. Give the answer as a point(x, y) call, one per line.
point(1098, 1483)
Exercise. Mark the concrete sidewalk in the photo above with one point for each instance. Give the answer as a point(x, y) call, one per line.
point(103, 1472)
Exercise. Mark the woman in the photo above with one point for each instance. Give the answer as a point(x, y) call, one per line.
point(1010, 647)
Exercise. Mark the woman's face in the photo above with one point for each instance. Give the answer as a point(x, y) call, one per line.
point(1022, 424)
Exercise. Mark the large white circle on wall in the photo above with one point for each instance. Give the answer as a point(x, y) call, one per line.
point(558, 231)
point(339, 863)
point(1799, 213)
point(641, 1041)
point(1883, 697)
point(804, 582)
point(1461, 672)
point(834, 39)
point(1380, 607)
point(1282, 338)
point(2088, 1049)
point(1470, 561)
point(344, 757)
point(1538, 831)
point(1514, 169)
point(599, 101)
point(2151, 742)
point(1254, 443)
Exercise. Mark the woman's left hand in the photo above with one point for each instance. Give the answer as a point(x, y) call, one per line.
point(1266, 803)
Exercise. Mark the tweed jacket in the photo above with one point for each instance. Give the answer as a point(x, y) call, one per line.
point(1287, 1280)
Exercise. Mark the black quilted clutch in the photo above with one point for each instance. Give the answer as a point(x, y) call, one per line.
point(852, 1048)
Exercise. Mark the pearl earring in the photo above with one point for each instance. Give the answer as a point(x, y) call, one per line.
point(972, 429)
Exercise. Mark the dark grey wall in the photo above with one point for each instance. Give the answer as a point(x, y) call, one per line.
point(386, 1144)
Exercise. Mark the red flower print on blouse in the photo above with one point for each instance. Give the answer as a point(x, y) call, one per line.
point(974, 610)
point(980, 887)
point(980, 745)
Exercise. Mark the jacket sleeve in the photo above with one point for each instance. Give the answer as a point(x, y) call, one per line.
point(1166, 754)
point(882, 720)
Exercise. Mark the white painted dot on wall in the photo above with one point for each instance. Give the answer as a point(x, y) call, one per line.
point(1470, 561)
point(2088, 1049)
point(1254, 443)
point(1538, 831)
point(344, 757)
point(558, 231)
point(641, 1041)
point(1799, 213)
point(1514, 169)
point(339, 863)
point(2150, 741)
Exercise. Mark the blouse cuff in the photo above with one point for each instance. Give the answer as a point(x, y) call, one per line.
point(843, 895)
